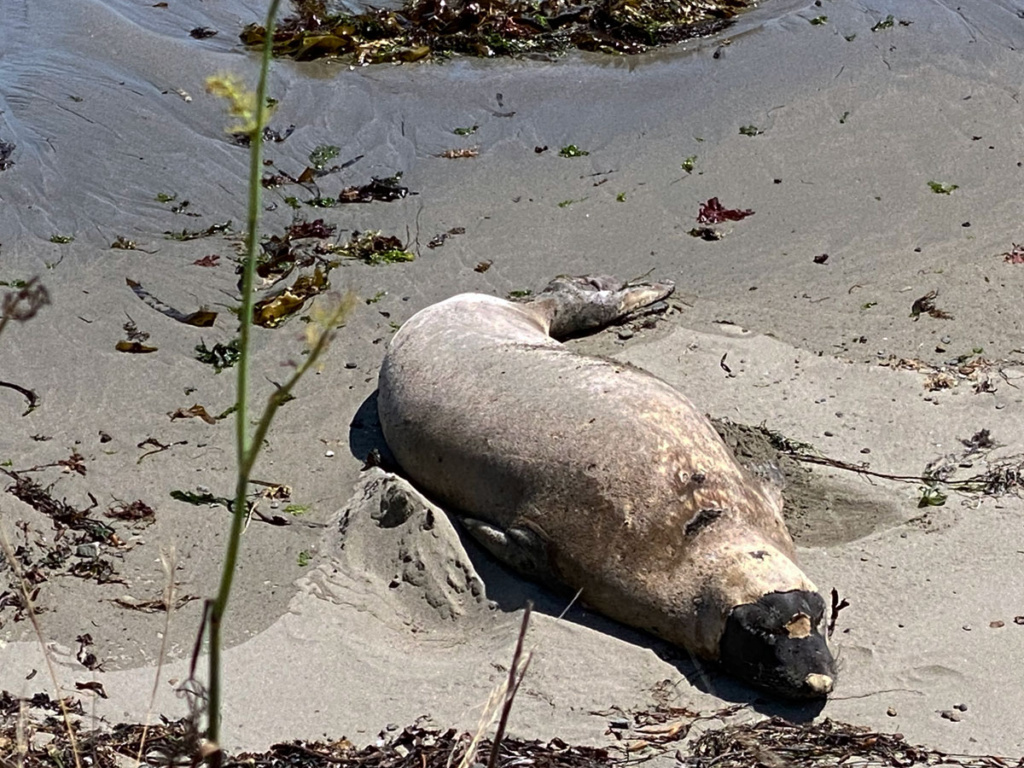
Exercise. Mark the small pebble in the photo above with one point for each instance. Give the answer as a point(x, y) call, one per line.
point(1018, 620)
point(619, 723)
point(961, 707)
point(329, 454)
point(350, 366)
point(946, 339)
point(891, 711)
point(997, 624)
point(950, 715)
point(90, 550)
point(865, 450)
point(625, 333)
point(966, 627)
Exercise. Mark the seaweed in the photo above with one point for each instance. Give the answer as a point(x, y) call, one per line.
point(438, 240)
point(243, 139)
point(134, 347)
point(571, 150)
point(137, 511)
point(455, 154)
point(713, 212)
point(706, 233)
point(321, 154)
point(498, 28)
point(926, 306)
point(383, 190)
point(220, 356)
point(6, 150)
point(65, 517)
point(196, 411)
point(187, 234)
point(273, 310)
point(1015, 255)
point(122, 243)
point(372, 247)
point(201, 318)
point(942, 189)
point(889, 22)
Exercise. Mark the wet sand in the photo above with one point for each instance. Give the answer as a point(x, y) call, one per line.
point(853, 124)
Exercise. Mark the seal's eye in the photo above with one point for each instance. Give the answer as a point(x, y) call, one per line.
point(776, 643)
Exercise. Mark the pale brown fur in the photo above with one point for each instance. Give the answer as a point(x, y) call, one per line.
point(606, 463)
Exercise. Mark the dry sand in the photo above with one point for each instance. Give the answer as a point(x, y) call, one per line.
point(105, 103)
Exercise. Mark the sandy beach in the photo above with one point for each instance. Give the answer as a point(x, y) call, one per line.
point(883, 163)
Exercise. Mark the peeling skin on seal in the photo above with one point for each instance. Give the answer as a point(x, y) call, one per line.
point(702, 520)
point(799, 626)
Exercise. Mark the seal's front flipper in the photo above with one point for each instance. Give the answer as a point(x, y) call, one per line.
point(519, 548)
point(575, 304)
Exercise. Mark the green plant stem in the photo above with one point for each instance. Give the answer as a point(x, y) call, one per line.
point(247, 449)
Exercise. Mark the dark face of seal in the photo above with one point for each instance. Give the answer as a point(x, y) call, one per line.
point(777, 643)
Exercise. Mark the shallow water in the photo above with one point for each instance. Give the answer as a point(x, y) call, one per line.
point(106, 105)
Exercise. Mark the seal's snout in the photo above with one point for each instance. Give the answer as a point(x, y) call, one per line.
point(818, 685)
point(777, 643)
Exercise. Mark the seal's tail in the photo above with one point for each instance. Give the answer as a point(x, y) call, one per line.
point(572, 305)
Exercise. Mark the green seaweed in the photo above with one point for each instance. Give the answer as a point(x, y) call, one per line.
point(942, 189)
point(62, 239)
point(195, 234)
point(322, 155)
point(372, 247)
point(571, 150)
point(220, 356)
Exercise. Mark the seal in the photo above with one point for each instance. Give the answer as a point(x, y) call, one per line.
point(598, 476)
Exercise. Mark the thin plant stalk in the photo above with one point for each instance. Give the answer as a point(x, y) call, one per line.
point(246, 449)
point(30, 609)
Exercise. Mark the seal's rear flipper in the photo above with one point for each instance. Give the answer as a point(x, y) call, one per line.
point(576, 304)
point(519, 548)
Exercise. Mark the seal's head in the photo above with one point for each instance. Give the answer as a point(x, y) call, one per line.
point(777, 643)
